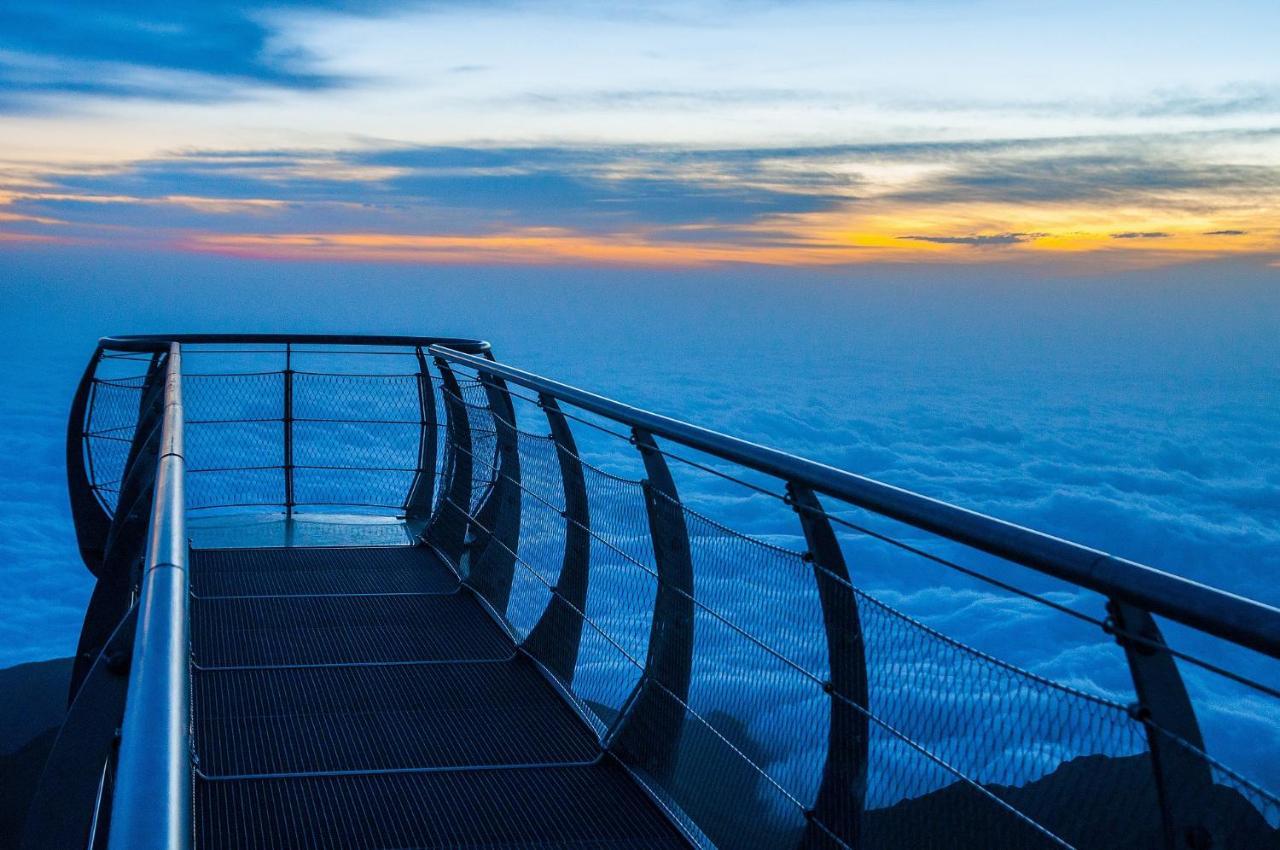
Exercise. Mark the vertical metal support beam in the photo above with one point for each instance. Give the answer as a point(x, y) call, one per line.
point(448, 529)
point(417, 507)
point(1183, 780)
point(555, 638)
point(492, 565)
point(288, 431)
point(841, 798)
point(648, 733)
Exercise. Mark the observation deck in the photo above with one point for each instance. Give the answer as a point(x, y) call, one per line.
point(389, 592)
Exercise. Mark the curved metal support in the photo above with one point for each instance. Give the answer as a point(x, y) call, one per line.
point(1183, 780)
point(125, 541)
point(555, 638)
point(841, 798)
point(448, 529)
point(417, 505)
point(92, 521)
point(492, 571)
point(62, 810)
point(648, 733)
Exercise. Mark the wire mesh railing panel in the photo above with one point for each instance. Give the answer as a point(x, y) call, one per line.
point(955, 741)
point(235, 488)
point(756, 709)
point(234, 464)
point(356, 398)
point(620, 595)
point(542, 531)
point(341, 439)
point(992, 722)
point(233, 397)
point(109, 432)
point(484, 441)
point(354, 462)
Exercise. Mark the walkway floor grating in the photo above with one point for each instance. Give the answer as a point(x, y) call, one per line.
point(362, 699)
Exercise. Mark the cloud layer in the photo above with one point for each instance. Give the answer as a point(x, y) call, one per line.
point(1114, 200)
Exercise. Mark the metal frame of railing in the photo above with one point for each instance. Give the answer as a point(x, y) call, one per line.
point(649, 732)
point(119, 775)
point(137, 549)
point(1217, 612)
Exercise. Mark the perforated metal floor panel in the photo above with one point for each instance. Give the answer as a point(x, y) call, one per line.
point(594, 807)
point(362, 699)
point(258, 572)
point(380, 718)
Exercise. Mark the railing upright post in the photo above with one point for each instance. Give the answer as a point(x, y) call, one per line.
point(1183, 781)
point(422, 492)
point(841, 797)
point(492, 561)
point(649, 729)
point(288, 431)
point(555, 638)
point(447, 530)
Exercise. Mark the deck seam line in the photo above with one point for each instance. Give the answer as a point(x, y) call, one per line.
point(466, 768)
point(202, 598)
point(197, 667)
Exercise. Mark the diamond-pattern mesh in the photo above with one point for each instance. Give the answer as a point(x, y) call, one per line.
point(112, 418)
point(958, 743)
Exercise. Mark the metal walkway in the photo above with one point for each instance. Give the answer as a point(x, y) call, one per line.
point(571, 645)
point(363, 698)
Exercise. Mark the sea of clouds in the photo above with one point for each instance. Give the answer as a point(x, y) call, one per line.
point(1136, 415)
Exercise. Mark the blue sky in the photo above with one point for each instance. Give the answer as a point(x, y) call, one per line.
point(1066, 135)
point(1023, 257)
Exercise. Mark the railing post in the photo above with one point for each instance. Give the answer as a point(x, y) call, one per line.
point(841, 797)
point(1183, 781)
point(648, 732)
point(492, 562)
point(555, 638)
point(421, 496)
point(288, 431)
point(448, 528)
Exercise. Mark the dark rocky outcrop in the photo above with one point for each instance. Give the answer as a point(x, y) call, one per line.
point(33, 700)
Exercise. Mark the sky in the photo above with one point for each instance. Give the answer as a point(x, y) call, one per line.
point(1020, 257)
point(1065, 135)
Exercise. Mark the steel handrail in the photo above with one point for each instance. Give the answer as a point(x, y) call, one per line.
point(160, 342)
point(151, 807)
point(1217, 612)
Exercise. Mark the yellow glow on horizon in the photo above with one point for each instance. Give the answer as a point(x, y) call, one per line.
point(548, 246)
